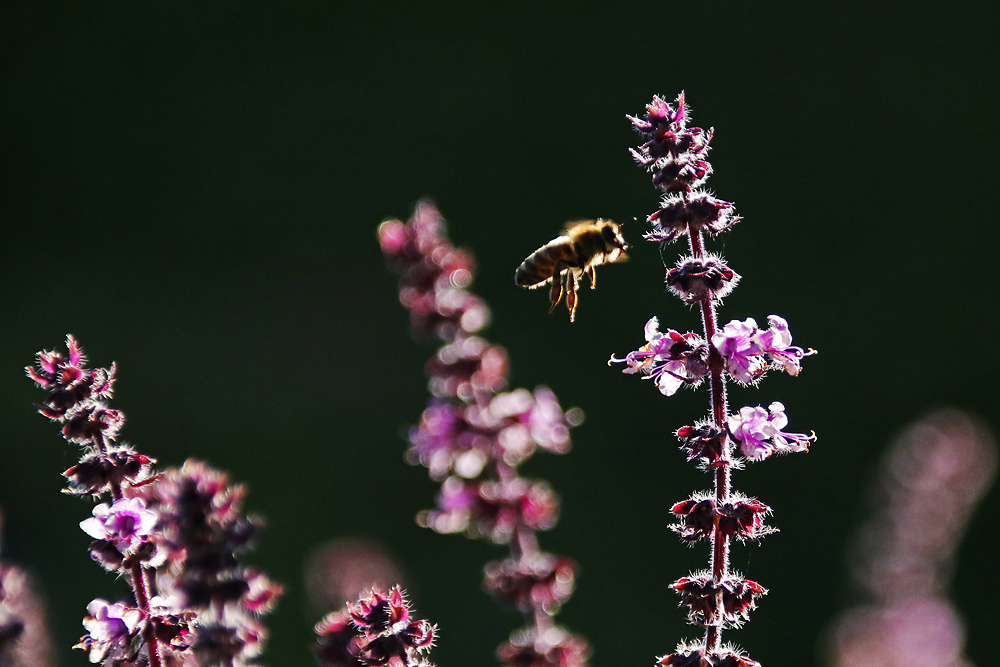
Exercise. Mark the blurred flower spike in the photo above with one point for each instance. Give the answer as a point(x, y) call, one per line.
point(931, 480)
point(473, 436)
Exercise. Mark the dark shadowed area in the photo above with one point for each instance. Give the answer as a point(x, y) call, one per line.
point(192, 189)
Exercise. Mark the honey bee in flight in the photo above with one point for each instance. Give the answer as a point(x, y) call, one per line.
point(563, 261)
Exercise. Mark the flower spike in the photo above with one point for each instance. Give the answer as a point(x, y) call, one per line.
point(675, 154)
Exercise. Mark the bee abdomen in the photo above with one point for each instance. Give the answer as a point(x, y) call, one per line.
point(541, 264)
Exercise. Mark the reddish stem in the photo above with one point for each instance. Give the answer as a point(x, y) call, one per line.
point(717, 396)
point(140, 579)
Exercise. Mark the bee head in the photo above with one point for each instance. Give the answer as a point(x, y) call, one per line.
point(612, 235)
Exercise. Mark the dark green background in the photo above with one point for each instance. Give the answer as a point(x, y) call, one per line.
point(192, 188)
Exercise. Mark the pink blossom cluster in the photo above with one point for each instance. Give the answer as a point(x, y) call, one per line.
point(749, 351)
point(473, 436)
point(460, 438)
point(758, 432)
point(674, 360)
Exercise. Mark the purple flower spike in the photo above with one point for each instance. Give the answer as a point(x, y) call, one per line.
point(176, 537)
point(675, 153)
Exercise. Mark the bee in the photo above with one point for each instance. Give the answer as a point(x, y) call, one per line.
point(563, 261)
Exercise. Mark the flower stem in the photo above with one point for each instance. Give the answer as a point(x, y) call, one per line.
point(717, 398)
point(140, 579)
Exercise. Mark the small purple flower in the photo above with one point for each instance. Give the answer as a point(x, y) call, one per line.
point(743, 345)
point(759, 432)
point(673, 360)
point(529, 420)
point(111, 629)
point(743, 355)
point(777, 341)
point(262, 593)
point(126, 523)
point(549, 424)
point(445, 441)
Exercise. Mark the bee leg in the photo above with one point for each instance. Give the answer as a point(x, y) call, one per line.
point(592, 274)
point(571, 287)
point(555, 295)
point(560, 281)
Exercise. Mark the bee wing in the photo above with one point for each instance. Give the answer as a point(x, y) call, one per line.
point(572, 225)
point(543, 283)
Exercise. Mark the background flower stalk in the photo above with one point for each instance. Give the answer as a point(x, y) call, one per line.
point(473, 436)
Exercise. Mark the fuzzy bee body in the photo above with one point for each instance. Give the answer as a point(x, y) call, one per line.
point(563, 261)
